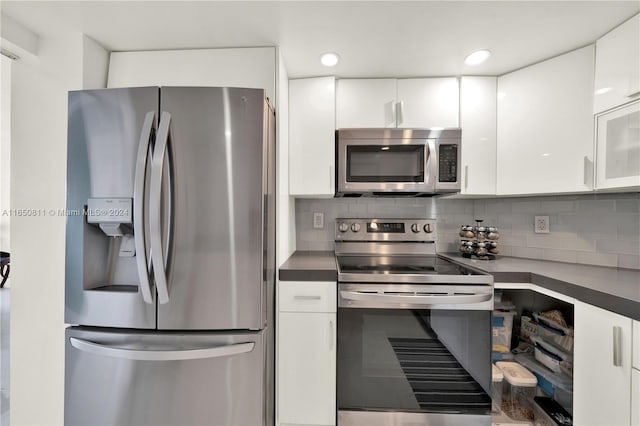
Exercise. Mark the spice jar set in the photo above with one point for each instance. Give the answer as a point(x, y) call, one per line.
point(479, 241)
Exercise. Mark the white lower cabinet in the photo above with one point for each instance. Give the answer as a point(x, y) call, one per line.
point(635, 398)
point(635, 376)
point(306, 353)
point(602, 367)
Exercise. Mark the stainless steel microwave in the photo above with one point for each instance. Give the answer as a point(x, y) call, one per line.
point(378, 162)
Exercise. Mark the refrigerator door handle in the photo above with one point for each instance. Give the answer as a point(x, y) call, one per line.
point(161, 355)
point(146, 135)
point(155, 206)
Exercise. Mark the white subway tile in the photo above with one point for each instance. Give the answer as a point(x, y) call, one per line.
point(527, 207)
point(528, 252)
point(595, 206)
point(628, 261)
point(357, 208)
point(599, 259)
point(560, 255)
point(628, 206)
point(619, 246)
point(561, 241)
point(558, 206)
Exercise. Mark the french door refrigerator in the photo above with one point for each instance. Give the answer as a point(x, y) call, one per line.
point(170, 257)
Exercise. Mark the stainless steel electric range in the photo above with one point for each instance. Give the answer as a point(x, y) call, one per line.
point(414, 329)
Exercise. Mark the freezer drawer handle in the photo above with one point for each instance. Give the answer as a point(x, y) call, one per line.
point(155, 225)
point(138, 206)
point(150, 355)
point(413, 299)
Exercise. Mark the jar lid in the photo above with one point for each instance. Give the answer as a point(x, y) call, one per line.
point(516, 374)
point(496, 374)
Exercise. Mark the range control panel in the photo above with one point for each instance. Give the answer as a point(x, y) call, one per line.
point(409, 230)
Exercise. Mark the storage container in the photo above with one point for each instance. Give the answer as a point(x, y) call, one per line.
point(496, 388)
point(556, 336)
point(528, 328)
point(547, 412)
point(502, 329)
point(553, 357)
point(556, 385)
point(518, 390)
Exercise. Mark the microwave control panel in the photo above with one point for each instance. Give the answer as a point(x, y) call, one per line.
point(448, 163)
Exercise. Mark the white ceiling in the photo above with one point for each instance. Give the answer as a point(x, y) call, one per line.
point(374, 38)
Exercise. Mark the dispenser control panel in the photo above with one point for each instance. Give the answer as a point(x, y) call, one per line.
point(110, 210)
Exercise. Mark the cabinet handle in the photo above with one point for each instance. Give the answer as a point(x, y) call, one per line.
point(330, 335)
point(466, 177)
point(633, 94)
point(588, 171)
point(617, 346)
point(306, 297)
point(399, 113)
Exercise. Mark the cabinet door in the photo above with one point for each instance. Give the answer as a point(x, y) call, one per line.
point(635, 398)
point(427, 102)
point(312, 137)
point(478, 123)
point(307, 368)
point(366, 103)
point(617, 78)
point(545, 126)
point(602, 367)
point(618, 147)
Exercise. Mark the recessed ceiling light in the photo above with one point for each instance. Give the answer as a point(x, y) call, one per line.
point(329, 59)
point(477, 57)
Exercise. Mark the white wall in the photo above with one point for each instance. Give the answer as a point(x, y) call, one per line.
point(5, 151)
point(38, 174)
point(253, 67)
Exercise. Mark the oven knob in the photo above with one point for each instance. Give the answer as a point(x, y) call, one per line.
point(415, 228)
point(343, 227)
point(355, 227)
point(428, 228)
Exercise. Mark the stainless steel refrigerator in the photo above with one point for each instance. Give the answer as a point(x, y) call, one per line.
point(170, 257)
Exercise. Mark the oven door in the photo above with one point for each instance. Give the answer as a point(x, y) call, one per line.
point(386, 165)
point(414, 355)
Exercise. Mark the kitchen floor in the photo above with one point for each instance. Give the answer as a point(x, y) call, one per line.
point(4, 356)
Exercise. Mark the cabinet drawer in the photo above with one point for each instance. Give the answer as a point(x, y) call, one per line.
point(311, 296)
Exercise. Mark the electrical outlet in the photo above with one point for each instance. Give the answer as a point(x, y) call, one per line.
point(318, 220)
point(541, 225)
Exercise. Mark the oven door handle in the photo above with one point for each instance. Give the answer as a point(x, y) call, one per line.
point(413, 299)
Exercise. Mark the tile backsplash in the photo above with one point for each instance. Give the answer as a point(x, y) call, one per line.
point(594, 229)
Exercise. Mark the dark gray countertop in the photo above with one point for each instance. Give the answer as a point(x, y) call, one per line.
point(309, 266)
point(614, 289)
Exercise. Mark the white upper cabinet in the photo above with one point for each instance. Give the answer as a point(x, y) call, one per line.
point(618, 147)
point(478, 124)
point(312, 137)
point(365, 103)
point(545, 126)
point(402, 103)
point(617, 78)
point(427, 102)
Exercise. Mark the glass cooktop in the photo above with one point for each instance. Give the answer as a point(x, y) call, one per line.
point(392, 265)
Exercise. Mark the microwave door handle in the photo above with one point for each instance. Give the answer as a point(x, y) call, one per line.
point(394, 299)
point(431, 164)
